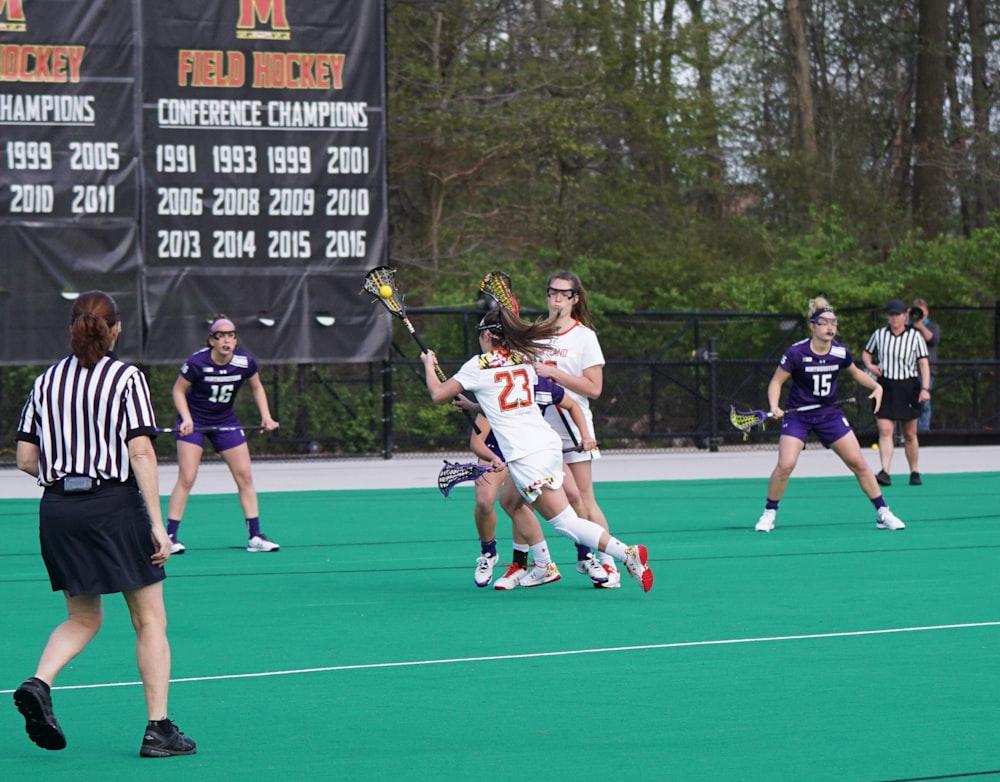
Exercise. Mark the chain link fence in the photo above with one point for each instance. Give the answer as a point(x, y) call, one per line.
point(670, 381)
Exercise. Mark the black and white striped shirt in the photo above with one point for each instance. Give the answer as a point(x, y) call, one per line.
point(82, 419)
point(897, 355)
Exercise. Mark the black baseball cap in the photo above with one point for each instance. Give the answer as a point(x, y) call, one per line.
point(895, 307)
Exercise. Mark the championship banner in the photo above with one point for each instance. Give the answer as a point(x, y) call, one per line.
point(264, 175)
point(69, 162)
point(248, 177)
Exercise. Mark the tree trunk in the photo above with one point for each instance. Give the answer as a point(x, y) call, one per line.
point(803, 103)
point(985, 199)
point(930, 193)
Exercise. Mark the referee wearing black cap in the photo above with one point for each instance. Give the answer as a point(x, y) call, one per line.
point(86, 434)
point(904, 372)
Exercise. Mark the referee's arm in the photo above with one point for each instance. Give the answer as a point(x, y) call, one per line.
point(27, 457)
point(871, 366)
point(142, 458)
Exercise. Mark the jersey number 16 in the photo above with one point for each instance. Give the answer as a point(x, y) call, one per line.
point(221, 395)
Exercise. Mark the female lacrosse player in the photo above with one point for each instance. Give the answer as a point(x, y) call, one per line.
point(503, 380)
point(524, 524)
point(526, 530)
point(574, 360)
point(204, 395)
point(814, 365)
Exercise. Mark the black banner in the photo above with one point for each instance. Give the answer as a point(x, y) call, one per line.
point(260, 135)
point(69, 204)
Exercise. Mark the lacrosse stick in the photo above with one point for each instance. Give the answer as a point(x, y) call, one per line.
point(496, 285)
point(572, 435)
point(747, 420)
point(380, 282)
point(177, 429)
point(453, 473)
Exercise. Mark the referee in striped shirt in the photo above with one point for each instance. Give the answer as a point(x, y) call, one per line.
point(86, 434)
point(904, 372)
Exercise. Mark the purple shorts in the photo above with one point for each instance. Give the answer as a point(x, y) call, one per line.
point(221, 441)
point(829, 426)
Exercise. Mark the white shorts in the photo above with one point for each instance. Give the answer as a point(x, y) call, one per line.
point(568, 441)
point(536, 471)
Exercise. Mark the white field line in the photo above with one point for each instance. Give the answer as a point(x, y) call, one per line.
point(535, 655)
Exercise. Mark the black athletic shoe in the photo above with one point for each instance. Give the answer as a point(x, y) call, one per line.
point(160, 742)
point(883, 478)
point(35, 703)
point(915, 479)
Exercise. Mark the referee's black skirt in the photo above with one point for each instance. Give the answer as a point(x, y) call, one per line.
point(900, 399)
point(97, 543)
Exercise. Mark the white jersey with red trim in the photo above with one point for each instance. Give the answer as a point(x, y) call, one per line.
point(504, 384)
point(573, 351)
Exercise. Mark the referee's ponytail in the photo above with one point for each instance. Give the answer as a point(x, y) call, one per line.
point(92, 327)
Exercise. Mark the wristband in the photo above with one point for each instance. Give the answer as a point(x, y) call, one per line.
point(926, 389)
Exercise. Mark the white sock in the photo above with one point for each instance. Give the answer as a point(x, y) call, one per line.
point(540, 554)
point(615, 548)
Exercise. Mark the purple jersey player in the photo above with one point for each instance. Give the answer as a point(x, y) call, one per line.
point(204, 394)
point(813, 365)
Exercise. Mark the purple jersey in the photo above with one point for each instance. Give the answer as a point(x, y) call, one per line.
point(213, 386)
point(814, 376)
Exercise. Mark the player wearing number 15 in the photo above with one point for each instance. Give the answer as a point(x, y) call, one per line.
point(813, 365)
point(204, 395)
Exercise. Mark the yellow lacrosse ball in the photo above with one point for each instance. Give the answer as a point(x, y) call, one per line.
point(385, 291)
point(874, 446)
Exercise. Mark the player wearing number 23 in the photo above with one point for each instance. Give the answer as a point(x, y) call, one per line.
point(503, 379)
point(814, 365)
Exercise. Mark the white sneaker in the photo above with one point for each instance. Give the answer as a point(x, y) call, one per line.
point(512, 577)
point(635, 560)
point(539, 575)
point(766, 521)
point(614, 578)
point(591, 567)
point(886, 519)
point(261, 543)
point(484, 569)
point(176, 547)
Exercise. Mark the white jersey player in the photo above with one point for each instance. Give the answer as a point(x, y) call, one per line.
point(503, 379)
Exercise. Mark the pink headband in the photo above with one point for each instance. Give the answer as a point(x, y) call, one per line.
point(218, 322)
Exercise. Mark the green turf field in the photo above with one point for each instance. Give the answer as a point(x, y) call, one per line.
point(825, 650)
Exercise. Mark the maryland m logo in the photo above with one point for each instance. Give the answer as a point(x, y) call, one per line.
point(12, 16)
point(263, 19)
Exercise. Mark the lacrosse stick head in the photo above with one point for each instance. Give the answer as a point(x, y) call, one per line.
point(380, 282)
point(745, 421)
point(453, 473)
point(496, 285)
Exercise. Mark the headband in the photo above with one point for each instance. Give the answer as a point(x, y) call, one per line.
point(218, 322)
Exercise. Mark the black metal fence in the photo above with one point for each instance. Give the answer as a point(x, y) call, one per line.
point(670, 381)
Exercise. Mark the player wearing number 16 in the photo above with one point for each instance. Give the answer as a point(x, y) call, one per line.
point(204, 395)
point(503, 379)
point(814, 365)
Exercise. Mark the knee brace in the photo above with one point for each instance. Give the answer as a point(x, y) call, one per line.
point(568, 524)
